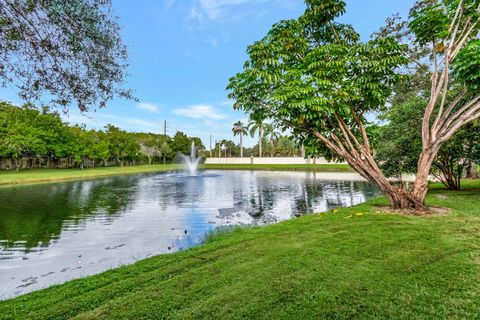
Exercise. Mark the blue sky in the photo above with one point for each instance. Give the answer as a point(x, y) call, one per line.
point(182, 53)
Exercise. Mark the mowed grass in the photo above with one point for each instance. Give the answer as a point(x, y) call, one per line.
point(53, 175)
point(354, 263)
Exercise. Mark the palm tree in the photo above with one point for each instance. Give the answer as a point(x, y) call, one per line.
point(272, 135)
point(261, 127)
point(239, 129)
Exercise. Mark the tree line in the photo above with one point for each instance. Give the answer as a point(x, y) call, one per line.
point(38, 138)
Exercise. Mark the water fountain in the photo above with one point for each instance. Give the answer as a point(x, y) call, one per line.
point(191, 161)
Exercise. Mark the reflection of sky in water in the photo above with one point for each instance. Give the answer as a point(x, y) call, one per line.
point(55, 232)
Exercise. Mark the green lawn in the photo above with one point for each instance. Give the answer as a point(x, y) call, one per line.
point(356, 263)
point(52, 175)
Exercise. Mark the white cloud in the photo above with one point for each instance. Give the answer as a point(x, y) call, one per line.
point(227, 103)
point(99, 121)
point(216, 9)
point(150, 107)
point(199, 111)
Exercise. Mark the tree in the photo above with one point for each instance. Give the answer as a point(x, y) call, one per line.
point(456, 155)
point(258, 125)
point(163, 144)
point(63, 51)
point(400, 143)
point(239, 129)
point(228, 146)
point(181, 143)
point(286, 147)
point(272, 136)
point(18, 136)
point(314, 76)
point(122, 145)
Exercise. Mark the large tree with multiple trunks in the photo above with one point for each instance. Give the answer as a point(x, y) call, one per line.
point(314, 76)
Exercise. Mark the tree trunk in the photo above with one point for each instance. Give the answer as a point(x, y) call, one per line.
point(241, 144)
point(260, 131)
point(398, 197)
point(471, 170)
point(420, 186)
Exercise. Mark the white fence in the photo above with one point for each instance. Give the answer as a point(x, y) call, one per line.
point(266, 160)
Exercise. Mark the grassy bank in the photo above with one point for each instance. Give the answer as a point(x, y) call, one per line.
point(52, 175)
point(352, 263)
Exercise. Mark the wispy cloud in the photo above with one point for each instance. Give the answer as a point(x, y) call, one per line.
point(227, 103)
point(98, 121)
point(199, 111)
point(150, 107)
point(217, 9)
point(202, 15)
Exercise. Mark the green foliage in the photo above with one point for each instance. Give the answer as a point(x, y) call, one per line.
point(239, 128)
point(467, 65)
point(429, 23)
point(63, 52)
point(183, 143)
point(41, 136)
point(400, 143)
point(307, 71)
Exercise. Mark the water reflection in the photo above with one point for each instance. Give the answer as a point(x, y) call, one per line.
point(56, 232)
point(31, 217)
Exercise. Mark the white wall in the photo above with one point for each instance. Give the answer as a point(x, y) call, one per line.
point(266, 160)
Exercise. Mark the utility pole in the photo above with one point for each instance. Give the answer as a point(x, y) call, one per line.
point(210, 145)
point(165, 128)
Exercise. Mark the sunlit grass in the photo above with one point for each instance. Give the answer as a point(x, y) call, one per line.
point(50, 175)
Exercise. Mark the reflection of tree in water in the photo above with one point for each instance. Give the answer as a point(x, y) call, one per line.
point(304, 201)
point(262, 201)
point(34, 215)
point(344, 193)
point(308, 195)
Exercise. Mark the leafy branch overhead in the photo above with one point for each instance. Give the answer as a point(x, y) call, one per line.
point(62, 51)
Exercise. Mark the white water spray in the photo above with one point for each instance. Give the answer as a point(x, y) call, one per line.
point(191, 161)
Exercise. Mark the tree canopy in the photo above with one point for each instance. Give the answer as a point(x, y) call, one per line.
point(40, 136)
point(62, 51)
point(314, 76)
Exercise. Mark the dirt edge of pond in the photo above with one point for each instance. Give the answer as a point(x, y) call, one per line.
point(431, 211)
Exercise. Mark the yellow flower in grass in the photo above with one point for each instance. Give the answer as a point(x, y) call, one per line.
point(334, 211)
point(348, 217)
point(359, 214)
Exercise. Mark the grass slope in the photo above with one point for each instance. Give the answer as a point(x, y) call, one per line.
point(52, 175)
point(353, 263)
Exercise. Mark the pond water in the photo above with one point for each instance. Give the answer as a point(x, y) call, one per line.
point(51, 233)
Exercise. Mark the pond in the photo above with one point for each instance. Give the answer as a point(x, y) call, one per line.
point(51, 233)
